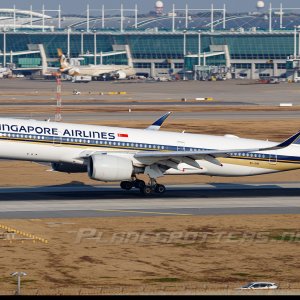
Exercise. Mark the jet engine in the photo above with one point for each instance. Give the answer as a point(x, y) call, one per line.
point(119, 75)
point(68, 167)
point(110, 168)
point(73, 72)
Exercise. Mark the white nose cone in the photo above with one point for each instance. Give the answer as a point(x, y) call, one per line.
point(260, 4)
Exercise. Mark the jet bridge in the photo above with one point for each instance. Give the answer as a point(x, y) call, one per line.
point(117, 50)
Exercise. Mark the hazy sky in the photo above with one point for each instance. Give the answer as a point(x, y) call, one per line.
point(73, 6)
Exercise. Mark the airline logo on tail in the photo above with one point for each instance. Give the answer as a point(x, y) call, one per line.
point(65, 67)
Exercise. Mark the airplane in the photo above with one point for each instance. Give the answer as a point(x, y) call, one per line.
point(4, 72)
point(114, 71)
point(119, 154)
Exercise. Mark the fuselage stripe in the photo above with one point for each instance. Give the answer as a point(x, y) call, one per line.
point(122, 145)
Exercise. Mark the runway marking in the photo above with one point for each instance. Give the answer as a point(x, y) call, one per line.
point(142, 212)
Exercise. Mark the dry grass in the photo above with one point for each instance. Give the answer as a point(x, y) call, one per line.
point(237, 250)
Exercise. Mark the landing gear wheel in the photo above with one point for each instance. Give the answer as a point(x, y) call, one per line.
point(139, 184)
point(126, 185)
point(147, 190)
point(160, 189)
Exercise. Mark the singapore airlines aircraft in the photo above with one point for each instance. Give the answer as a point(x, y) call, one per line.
point(115, 71)
point(121, 154)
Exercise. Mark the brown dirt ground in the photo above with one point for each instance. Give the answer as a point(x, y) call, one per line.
point(212, 251)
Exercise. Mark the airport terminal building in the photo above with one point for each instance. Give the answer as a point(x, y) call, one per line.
point(157, 45)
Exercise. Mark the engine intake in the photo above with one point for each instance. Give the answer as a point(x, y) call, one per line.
point(120, 75)
point(110, 168)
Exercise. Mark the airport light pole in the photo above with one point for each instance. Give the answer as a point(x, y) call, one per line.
point(4, 48)
point(295, 42)
point(184, 51)
point(87, 18)
point(212, 18)
point(103, 16)
point(95, 47)
point(68, 42)
point(82, 50)
point(173, 18)
point(135, 16)
point(122, 18)
point(199, 47)
point(186, 16)
point(101, 58)
point(270, 18)
point(196, 71)
point(14, 18)
point(43, 23)
point(184, 42)
point(224, 16)
point(281, 15)
point(59, 16)
point(31, 19)
point(19, 275)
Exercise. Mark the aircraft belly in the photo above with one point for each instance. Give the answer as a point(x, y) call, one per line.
point(37, 152)
point(236, 170)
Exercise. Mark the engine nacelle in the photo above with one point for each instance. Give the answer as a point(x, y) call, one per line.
point(73, 72)
point(110, 168)
point(69, 168)
point(120, 75)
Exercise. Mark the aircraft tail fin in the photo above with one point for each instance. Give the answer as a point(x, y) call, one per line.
point(62, 59)
point(295, 139)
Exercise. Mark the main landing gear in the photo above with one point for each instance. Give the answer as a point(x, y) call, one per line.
point(147, 190)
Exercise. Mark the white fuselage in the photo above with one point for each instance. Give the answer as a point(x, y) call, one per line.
point(43, 141)
point(97, 70)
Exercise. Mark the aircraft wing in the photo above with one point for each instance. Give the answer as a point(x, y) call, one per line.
point(190, 157)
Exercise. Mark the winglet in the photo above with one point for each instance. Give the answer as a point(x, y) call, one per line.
point(157, 124)
point(286, 143)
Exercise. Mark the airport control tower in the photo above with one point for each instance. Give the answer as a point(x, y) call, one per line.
point(159, 8)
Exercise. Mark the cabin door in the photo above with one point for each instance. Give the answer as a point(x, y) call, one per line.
point(273, 159)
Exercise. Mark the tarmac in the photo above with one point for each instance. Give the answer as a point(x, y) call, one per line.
point(180, 200)
point(233, 91)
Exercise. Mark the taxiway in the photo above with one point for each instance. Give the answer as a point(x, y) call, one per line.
point(108, 201)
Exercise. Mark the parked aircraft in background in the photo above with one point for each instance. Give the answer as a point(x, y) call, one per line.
point(4, 72)
point(113, 71)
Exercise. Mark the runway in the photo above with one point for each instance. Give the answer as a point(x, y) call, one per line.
point(186, 200)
